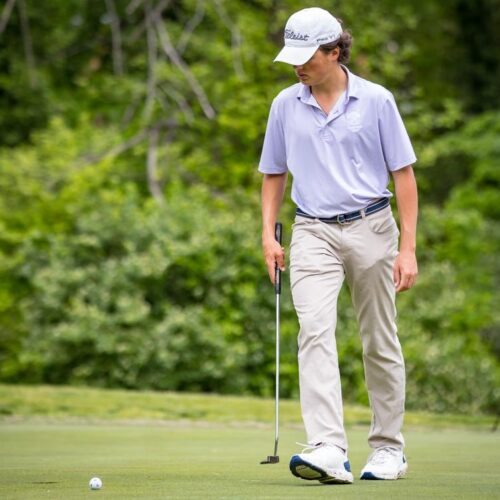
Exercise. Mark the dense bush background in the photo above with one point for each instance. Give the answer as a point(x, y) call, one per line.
point(119, 271)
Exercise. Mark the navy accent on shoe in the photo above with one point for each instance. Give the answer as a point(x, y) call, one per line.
point(296, 462)
point(370, 475)
point(305, 470)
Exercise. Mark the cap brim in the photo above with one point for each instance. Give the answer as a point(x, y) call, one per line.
point(295, 55)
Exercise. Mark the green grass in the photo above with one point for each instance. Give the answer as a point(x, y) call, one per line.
point(164, 445)
point(91, 405)
point(40, 461)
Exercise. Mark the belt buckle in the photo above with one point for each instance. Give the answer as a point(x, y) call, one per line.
point(340, 219)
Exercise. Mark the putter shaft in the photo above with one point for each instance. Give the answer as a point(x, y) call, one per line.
point(277, 394)
point(274, 459)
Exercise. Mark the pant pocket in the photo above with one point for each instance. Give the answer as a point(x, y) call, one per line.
point(382, 222)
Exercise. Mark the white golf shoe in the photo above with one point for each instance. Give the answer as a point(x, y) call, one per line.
point(385, 463)
point(323, 462)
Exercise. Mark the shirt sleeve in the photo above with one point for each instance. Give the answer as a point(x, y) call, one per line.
point(273, 156)
point(396, 144)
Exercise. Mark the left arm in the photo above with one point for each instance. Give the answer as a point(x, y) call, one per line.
point(405, 266)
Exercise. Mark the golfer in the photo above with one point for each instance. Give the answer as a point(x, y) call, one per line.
point(341, 137)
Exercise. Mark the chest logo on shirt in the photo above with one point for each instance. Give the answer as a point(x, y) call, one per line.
point(353, 120)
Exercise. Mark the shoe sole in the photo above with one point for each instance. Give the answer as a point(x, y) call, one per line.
point(305, 470)
point(385, 477)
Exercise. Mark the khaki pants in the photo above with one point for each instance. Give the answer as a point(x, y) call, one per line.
point(321, 256)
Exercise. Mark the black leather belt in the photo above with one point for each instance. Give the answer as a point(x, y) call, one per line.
point(350, 216)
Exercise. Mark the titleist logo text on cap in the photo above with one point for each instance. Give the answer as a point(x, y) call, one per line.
point(290, 34)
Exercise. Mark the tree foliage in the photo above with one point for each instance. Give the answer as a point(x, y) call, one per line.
point(129, 211)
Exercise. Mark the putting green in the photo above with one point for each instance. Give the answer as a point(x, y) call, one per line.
point(56, 461)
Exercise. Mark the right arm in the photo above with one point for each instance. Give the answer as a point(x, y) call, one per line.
point(273, 190)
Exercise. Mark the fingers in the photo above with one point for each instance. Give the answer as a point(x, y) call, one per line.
point(271, 270)
point(405, 276)
point(405, 281)
point(412, 279)
point(280, 259)
point(403, 285)
point(274, 254)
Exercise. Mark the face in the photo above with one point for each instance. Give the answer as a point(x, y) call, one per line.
point(318, 69)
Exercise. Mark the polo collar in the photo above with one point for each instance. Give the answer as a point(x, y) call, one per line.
point(305, 95)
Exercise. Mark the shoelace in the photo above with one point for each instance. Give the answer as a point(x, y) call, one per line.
point(381, 455)
point(309, 447)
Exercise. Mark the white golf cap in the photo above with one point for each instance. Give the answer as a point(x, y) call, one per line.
point(305, 31)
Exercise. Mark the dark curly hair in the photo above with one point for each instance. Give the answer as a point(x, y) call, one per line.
point(344, 43)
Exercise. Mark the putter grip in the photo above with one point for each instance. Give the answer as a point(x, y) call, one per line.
point(278, 234)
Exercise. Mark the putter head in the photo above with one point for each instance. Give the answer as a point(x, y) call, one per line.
point(271, 459)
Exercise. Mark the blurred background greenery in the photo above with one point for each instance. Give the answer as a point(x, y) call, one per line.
point(130, 132)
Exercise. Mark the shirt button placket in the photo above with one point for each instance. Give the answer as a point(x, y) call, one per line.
point(325, 133)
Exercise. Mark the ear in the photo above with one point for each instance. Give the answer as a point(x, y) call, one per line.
point(335, 54)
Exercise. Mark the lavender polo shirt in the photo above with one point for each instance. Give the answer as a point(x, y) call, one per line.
point(341, 162)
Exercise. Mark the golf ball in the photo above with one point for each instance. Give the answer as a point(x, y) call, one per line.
point(95, 483)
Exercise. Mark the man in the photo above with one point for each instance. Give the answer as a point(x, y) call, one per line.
point(341, 137)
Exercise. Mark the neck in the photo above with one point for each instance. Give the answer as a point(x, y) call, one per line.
point(335, 83)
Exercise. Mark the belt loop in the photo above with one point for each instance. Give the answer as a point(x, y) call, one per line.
point(362, 211)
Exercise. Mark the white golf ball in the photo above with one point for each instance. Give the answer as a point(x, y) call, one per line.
point(95, 483)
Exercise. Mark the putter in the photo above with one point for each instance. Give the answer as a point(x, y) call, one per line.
point(274, 459)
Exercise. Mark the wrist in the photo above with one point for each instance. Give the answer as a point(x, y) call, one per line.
point(267, 239)
point(268, 233)
point(407, 241)
point(407, 249)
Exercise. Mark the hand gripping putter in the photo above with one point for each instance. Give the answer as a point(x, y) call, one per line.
point(274, 459)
